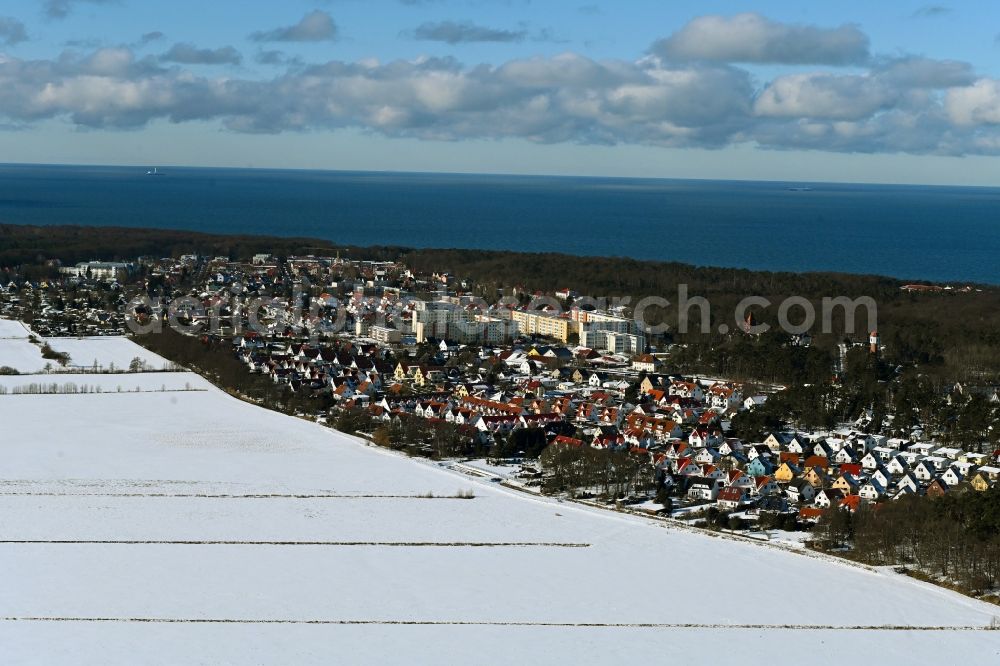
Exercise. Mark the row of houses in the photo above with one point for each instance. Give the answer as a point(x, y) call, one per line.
point(816, 471)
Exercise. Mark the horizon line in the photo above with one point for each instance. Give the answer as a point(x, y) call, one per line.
point(497, 174)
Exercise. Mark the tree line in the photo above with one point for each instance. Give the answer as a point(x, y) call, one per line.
point(584, 470)
point(955, 537)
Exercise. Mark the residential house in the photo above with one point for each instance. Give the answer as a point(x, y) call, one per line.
point(925, 471)
point(937, 488)
point(764, 486)
point(776, 441)
point(730, 445)
point(816, 476)
point(732, 497)
point(704, 488)
point(872, 490)
point(786, 472)
point(991, 473)
point(645, 363)
point(759, 466)
point(908, 483)
point(800, 491)
point(737, 479)
point(817, 461)
point(897, 466)
point(828, 497)
point(847, 484)
point(882, 476)
point(843, 456)
point(952, 477)
point(980, 482)
point(870, 461)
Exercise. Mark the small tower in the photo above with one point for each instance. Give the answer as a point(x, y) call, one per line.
point(873, 341)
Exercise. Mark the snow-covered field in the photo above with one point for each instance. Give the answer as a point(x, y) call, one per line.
point(16, 351)
point(189, 527)
point(20, 354)
point(11, 328)
point(106, 353)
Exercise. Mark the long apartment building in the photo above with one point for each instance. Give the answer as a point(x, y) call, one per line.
point(608, 332)
point(614, 342)
point(595, 320)
point(550, 326)
point(445, 320)
point(597, 330)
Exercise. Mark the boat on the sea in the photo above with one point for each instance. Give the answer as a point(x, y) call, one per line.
point(154, 172)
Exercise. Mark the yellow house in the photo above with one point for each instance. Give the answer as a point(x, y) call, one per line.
point(461, 391)
point(400, 373)
point(980, 483)
point(772, 442)
point(815, 477)
point(785, 473)
point(844, 484)
point(419, 379)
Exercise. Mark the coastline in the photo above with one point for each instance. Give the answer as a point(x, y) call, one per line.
point(756, 225)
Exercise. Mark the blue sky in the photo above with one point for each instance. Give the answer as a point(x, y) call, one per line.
point(849, 91)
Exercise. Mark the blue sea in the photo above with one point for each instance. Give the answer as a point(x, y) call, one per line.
point(943, 234)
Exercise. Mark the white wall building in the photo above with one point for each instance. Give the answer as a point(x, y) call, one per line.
point(617, 343)
point(384, 334)
point(97, 270)
point(447, 321)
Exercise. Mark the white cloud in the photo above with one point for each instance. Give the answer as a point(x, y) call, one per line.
point(752, 38)
point(824, 95)
point(973, 105)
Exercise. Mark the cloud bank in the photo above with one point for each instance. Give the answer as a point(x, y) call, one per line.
point(665, 98)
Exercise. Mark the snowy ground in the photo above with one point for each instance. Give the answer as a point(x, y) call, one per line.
point(16, 351)
point(189, 527)
point(117, 382)
point(20, 354)
point(106, 353)
point(10, 328)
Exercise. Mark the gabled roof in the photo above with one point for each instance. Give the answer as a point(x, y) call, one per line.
point(761, 481)
point(852, 502)
point(731, 494)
